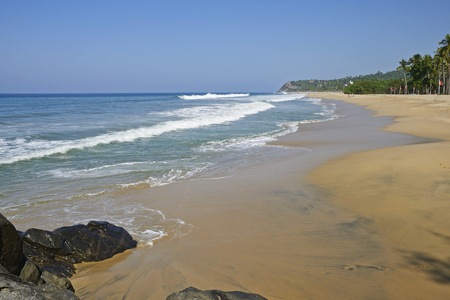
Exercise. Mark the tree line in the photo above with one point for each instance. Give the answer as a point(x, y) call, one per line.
point(421, 75)
point(333, 85)
point(375, 86)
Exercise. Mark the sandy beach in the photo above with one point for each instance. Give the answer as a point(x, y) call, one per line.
point(404, 191)
point(358, 210)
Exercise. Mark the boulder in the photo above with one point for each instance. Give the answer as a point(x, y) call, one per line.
point(51, 292)
point(56, 280)
point(11, 255)
point(192, 293)
point(11, 289)
point(44, 259)
point(96, 241)
point(47, 241)
point(14, 288)
point(63, 265)
point(31, 273)
point(58, 250)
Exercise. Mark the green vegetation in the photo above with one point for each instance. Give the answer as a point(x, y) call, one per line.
point(418, 75)
point(429, 75)
point(375, 86)
point(421, 75)
point(316, 85)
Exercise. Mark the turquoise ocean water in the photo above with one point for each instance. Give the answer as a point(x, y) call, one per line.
point(66, 159)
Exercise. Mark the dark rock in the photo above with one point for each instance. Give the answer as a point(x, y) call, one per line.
point(51, 256)
point(192, 293)
point(56, 280)
point(11, 255)
point(65, 246)
point(3, 271)
point(63, 265)
point(31, 273)
point(36, 254)
point(51, 292)
point(62, 268)
point(17, 290)
point(14, 288)
point(47, 241)
point(96, 241)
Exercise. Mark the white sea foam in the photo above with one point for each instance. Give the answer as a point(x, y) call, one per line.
point(284, 98)
point(195, 118)
point(105, 170)
point(244, 143)
point(328, 111)
point(235, 143)
point(212, 96)
point(146, 225)
point(314, 100)
point(166, 178)
point(197, 111)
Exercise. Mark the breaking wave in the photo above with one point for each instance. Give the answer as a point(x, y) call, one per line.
point(212, 96)
point(193, 118)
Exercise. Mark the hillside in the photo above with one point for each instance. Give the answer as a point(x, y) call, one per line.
point(316, 85)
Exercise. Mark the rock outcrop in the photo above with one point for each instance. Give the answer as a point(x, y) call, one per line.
point(288, 87)
point(14, 288)
point(58, 250)
point(192, 293)
point(95, 241)
point(11, 255)
point(36, 264)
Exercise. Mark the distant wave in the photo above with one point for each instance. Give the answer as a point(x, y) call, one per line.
point(286, 97)
point(26, 150)
point(211, 96)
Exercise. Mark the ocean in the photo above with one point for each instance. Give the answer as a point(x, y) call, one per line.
point(68, 158)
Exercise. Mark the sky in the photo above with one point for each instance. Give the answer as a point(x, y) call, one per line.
point(139, 46)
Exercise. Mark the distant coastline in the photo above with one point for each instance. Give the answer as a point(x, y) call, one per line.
point(425, 75)
point(331, 85)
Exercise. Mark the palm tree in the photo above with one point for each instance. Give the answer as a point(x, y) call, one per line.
point(438, 65)
point(415, 64)
point(444, 52)
point(428, 70)
point(404, 66)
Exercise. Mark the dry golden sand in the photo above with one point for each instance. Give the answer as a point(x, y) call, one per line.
point(404, 191)
point(367, 225)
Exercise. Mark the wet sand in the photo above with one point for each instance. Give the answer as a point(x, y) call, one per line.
point(279, 231)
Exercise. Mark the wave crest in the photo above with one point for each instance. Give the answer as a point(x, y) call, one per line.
point(212, 96)
point(191, 119)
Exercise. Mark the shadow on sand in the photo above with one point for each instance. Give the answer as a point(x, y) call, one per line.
point(438, 269)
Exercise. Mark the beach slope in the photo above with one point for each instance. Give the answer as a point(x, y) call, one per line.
point(404, 191)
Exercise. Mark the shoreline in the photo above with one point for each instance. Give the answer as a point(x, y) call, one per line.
point(269, 229)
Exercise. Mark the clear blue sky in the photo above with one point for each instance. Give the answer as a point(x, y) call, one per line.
point(207, 46)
